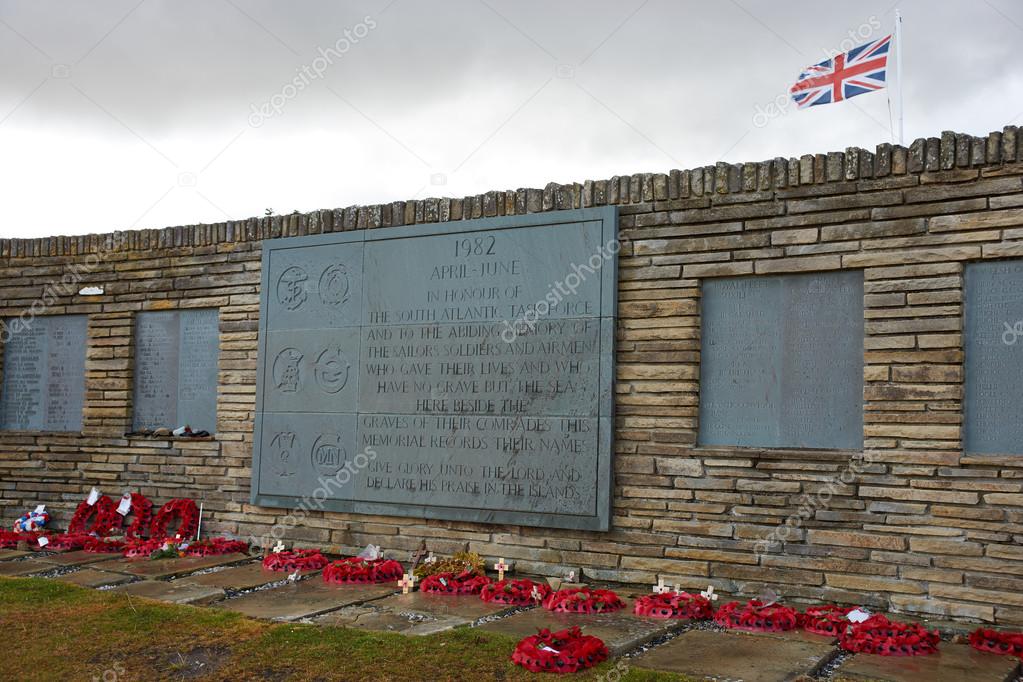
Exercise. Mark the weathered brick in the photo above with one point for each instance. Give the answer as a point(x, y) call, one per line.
point(855, 539)
point(920, 495)
point(921, 527)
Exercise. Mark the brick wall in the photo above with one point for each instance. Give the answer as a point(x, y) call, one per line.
point(908, 523)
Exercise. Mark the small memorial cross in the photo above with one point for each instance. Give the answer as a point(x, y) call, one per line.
point(407, 582)
point(660, 587)
point(278, 548)
point(536, 594)
point(501, 567)
point(709, 593)
point(416, 557)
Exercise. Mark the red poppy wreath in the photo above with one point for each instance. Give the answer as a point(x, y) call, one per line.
point(992, 641)
point(518, 592)
point(829, 620)
point(466, 582)
point(297, 560)
point(583, 600)
point(674, 605)
point(756, 616)
point(878, 635)
point(362, 571)
point(566, 651)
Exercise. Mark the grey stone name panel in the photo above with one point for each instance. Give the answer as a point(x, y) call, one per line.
point(455, 371)
point(994, 357)
point(176, 355)
point(44, 374)
point(782, 361)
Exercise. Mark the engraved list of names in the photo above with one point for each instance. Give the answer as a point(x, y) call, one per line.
point(44, 374)
point(782, 361)
point(458, 371)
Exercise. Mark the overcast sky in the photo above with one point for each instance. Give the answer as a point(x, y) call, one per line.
point(126, 114)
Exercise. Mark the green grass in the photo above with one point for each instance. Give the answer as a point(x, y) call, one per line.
point(59, 631)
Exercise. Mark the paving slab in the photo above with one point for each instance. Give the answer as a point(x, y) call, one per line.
point(174, 592)
point(620, 630)
point(11, 554)
point(415, 613)
point(90, 577)
point(470, 607)
point(368, 617)
point(78, 557)
point(161, 569)
point(708, 654)
point(796, 635)
point(304, 599)
point(952, 663)
point(26, 567)
point(238, 578)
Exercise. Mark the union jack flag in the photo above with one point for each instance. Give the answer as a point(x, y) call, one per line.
point(861, 69)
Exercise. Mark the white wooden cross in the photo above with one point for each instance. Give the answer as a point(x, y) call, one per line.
point(660, 587)
point(536, 594)
point(709, 593)
point(407, 582)
point(278, 548)
point(500, 567)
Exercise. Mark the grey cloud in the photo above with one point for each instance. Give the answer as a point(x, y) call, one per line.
point(491, 94)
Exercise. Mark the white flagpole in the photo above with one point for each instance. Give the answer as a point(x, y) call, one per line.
point(898, 66)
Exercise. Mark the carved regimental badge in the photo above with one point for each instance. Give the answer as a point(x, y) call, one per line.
point(334, 285)
point(282, 449)
point(331, 370)
point(328, 454)
point(286, 371)
point(291, 287)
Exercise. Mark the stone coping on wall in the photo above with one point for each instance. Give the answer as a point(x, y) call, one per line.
point(941, 159)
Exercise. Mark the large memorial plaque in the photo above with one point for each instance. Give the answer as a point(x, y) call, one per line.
point(44, 374)
point(994, 357)
point(453, 371)
point(782, 361)
point(176, 353)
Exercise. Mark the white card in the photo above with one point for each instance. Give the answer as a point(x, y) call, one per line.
point(43, 541)
point(93, 496)
point(547, 648)
point(40, 509)
point(858, 615)
point(125, 505)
